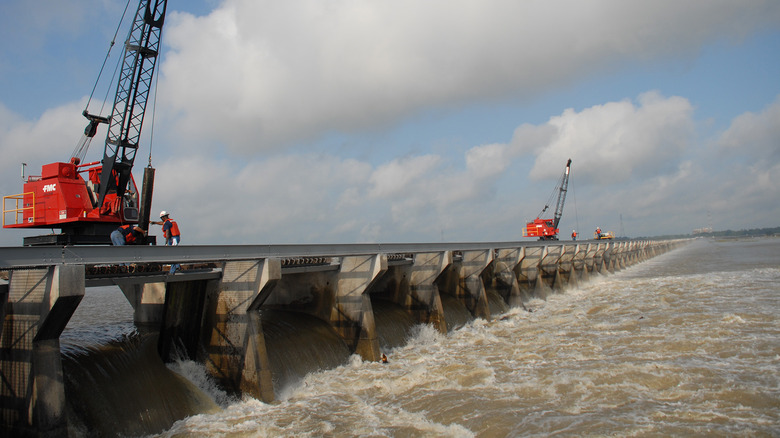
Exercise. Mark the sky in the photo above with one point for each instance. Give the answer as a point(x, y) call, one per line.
point(351, 121)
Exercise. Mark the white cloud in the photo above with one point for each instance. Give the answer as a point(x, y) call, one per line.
point(613, 142)
point(40, 141)
point(298, 198)
point(252, 77)
point(755, 138)
point(745, 188)
point(256, 74)
point(334, 197)
point(401, 176)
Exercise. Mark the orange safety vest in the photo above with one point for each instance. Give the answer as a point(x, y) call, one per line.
point(174, 230)
point(129, 232)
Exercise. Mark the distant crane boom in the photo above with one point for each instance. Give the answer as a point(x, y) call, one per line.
point(564, 186)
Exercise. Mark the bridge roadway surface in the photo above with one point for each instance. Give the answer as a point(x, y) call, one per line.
point(30, 256)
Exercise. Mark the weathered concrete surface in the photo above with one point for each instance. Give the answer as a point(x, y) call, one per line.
point(147, 299)
point(351, 313)
point(216, 319)
point(233, 341)
point(504, 265)
point(39, 304)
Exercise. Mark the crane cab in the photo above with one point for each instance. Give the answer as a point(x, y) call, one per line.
point(541, 228)
point(64, 196)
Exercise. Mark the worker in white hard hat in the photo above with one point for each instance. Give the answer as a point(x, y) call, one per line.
point(171, 233)
point(170, 229)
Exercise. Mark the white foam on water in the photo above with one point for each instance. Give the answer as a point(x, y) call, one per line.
point(656, 349)
point(197, 374)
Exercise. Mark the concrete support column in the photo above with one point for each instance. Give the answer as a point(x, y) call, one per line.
point(599, 262)
point(568, 276)
point(634, 252)
point(578, 269)
point(609, 259)
point(619, 255)
point(470, 285)
point(649, 250)
point(352, 314)
point(505, 264)
point(527, 271)
point(233, 336)
point(628, 254)
point(39, 305)
point(147, 299)
point(590, 260)
point(424, 299)
point(549, 267)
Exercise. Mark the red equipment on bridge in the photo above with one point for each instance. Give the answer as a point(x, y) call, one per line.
point(88, 201)
point(547, 229)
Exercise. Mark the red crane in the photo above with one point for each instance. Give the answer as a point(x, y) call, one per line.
point(87, 201)
point(547, 229)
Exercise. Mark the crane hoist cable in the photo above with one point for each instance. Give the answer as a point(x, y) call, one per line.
point(554, 195)
point(80, 151)
point(576, 214)
point(108, 54)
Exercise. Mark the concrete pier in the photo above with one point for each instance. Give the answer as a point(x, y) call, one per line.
point(39, 304)
point(212, 315)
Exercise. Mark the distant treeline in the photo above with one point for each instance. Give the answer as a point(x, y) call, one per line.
point(753, 232)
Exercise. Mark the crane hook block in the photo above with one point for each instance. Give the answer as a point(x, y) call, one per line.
point(94, 121)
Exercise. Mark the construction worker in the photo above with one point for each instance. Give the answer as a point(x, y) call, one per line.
point(171, 234)
point(598, 232)
point(170, 229)
point(573, 234)
point(127, 235)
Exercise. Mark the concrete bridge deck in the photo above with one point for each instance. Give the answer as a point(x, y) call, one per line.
point(212, 306)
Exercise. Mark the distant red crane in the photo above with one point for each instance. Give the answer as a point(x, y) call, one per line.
point(547, 229)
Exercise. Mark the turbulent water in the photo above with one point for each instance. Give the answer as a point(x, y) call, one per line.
point(687, 343)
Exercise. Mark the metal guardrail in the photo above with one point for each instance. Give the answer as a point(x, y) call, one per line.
point(32, 256)
point(16, 210)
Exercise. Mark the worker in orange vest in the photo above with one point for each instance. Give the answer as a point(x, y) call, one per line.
point(170, 229)
point(127, 235)
point(171, 234)
point(573, 234)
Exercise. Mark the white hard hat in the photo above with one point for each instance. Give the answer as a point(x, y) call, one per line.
point(163, 213)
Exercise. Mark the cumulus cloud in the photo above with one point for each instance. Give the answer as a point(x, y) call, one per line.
point(250, 78)
point(36, 142)
point(401, 176)
point(295, 198)
point(612, 142)
point(750, 186)
point(256, 74)
point(755, 137)
point(334, 197)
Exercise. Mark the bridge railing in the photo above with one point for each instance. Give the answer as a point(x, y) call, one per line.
point(21, 257)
